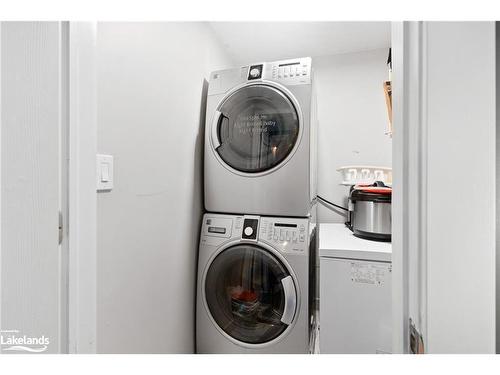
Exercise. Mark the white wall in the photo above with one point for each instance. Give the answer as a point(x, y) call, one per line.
point(352, 120)
point(151, 87)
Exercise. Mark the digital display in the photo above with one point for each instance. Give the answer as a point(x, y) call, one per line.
point(288, 64)
point(285, 225)
point(220, 230)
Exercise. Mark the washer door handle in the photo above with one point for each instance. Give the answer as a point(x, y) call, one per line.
point(215, 129)
point(290, 300)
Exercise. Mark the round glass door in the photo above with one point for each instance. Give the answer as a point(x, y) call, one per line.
point(257, 129)
point(245, 295)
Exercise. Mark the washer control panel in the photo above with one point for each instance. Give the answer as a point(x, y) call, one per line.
point(288, 235)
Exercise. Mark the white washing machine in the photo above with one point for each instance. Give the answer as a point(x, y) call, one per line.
point(260, 139)
point(253, 284)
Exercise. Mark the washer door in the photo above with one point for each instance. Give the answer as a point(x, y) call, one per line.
point(250, 294)
point(255, 128)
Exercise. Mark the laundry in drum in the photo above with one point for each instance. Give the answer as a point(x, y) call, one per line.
point(244, 303)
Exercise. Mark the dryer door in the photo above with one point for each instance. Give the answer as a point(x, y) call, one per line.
point(255, 128)
point(250, 294)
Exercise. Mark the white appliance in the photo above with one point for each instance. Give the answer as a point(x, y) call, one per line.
point(253, 284)
point(260, 139)
point(355, 293)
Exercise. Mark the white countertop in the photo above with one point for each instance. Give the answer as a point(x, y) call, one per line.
point(337, 241)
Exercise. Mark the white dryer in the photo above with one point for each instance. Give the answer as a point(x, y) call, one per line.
point(260, 139)
point(253, 284)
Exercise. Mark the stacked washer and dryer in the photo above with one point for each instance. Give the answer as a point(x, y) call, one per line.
point(256, 289)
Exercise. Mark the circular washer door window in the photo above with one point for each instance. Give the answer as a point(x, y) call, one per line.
point(245, 294)
point(257, 129)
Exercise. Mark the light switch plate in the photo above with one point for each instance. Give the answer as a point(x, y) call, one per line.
point(104, 172)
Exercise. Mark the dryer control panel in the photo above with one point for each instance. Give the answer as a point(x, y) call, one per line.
point(289, 72)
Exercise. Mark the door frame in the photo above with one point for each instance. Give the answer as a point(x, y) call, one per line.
point(0, 179)
point(410, 184)
point(82, 306)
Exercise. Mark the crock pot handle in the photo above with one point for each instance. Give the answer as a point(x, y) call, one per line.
point(215, 128)
point(290, 300)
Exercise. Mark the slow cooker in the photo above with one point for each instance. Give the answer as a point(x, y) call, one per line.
point(369, 213)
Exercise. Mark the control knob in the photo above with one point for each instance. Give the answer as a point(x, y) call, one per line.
point(254, 73)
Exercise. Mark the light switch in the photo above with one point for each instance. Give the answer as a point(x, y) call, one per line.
point(104, 172)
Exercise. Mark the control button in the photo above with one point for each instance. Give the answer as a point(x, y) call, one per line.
point(286, 71)
point(238, 223)
point(292, 71)
point(280, 72)
point(302, 237)
point(282, 235)
point(250, 228)
point(288, 236)
point(254, 73)
point(294, 236)
point(302, 228)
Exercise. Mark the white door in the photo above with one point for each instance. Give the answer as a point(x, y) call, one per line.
point(33, 173)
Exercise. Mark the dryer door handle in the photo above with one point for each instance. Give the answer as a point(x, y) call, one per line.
point(215, 129)
point(290, 300)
